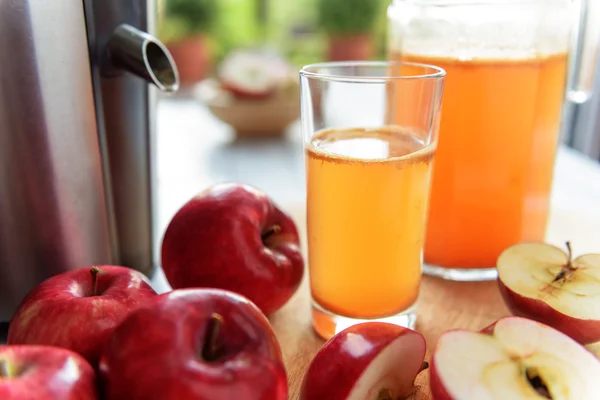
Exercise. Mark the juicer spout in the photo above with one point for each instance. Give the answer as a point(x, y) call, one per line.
point(143, 55)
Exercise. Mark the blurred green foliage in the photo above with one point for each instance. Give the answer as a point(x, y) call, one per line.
point(295, 28)
point(342, 17)
point(182, 18)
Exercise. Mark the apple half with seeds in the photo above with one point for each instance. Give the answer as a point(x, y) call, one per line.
point(544, 283)
point(515, 358)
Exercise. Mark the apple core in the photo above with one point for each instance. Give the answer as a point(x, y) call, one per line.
point(536, 381)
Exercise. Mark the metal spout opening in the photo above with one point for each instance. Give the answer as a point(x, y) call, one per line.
point(161, 67)
point(145, 56)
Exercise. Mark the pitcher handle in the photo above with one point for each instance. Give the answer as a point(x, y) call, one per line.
point(584, 51)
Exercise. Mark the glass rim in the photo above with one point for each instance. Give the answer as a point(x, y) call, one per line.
point(305, 71)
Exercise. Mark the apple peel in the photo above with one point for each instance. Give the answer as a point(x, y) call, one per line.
point(368, 361)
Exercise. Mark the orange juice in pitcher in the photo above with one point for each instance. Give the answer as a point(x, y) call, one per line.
point(506, 65)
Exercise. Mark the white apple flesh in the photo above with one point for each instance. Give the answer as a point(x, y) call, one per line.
point(369, 361)
point(542, 282)
point(252, 74)
point(519, 359)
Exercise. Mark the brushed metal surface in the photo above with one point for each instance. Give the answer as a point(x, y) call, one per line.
point(125, 112)
point(52, 205)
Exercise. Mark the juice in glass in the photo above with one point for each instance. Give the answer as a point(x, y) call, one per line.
point(370, 132)
point(367, 195)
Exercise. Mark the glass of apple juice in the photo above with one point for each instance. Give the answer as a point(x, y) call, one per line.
point(370, 134)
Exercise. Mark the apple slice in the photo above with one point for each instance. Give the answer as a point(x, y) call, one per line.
point(542, 282)
point(517, 359)
point(252, 74)
point(368, 361)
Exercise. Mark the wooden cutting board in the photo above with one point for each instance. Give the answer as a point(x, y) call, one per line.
point(442, 305)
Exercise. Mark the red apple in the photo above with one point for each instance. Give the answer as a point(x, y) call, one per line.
point(234, 237)
point(79, 309)
point(45, 373)
point(542, 282)
point(202, 344)
point(515, 358)
point(368, 361)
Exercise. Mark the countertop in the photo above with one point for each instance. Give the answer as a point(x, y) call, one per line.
point(195, 150)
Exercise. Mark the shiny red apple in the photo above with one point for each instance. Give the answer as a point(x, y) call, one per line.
point(201, 344)
point(544, 283)
point(234, 237)
point(368, 361)
point(45, 373)
point(79, 309)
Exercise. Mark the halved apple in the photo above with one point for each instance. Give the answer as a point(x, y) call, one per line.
point(542, 282)
point(252, 74)
point(516, 359)
point(368, 361)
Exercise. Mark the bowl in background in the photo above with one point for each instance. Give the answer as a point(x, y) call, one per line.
point(252, 118)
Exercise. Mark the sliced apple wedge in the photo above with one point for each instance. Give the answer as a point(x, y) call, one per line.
point(253, 74)
point(518, 359)
point(368, 361)
point(542, 282)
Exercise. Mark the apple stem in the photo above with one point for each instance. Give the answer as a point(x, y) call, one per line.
point(209, 351)
point(570, 253)
point(94, 271)
point(568, 268)
point(270, 232)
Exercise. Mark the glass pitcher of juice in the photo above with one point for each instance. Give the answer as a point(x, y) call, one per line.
point(508, 63)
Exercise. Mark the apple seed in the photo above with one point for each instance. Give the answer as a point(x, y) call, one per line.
point(536, 381)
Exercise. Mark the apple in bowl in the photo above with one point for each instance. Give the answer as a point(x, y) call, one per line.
point(367, 361)
point(203, 344)
point(79, 309)
point(544, 283)
point(254, 75)
point(45, 373)
point(234, 237)
point(515, 358)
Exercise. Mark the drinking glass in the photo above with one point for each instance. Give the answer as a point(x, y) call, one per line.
point(370, 133)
